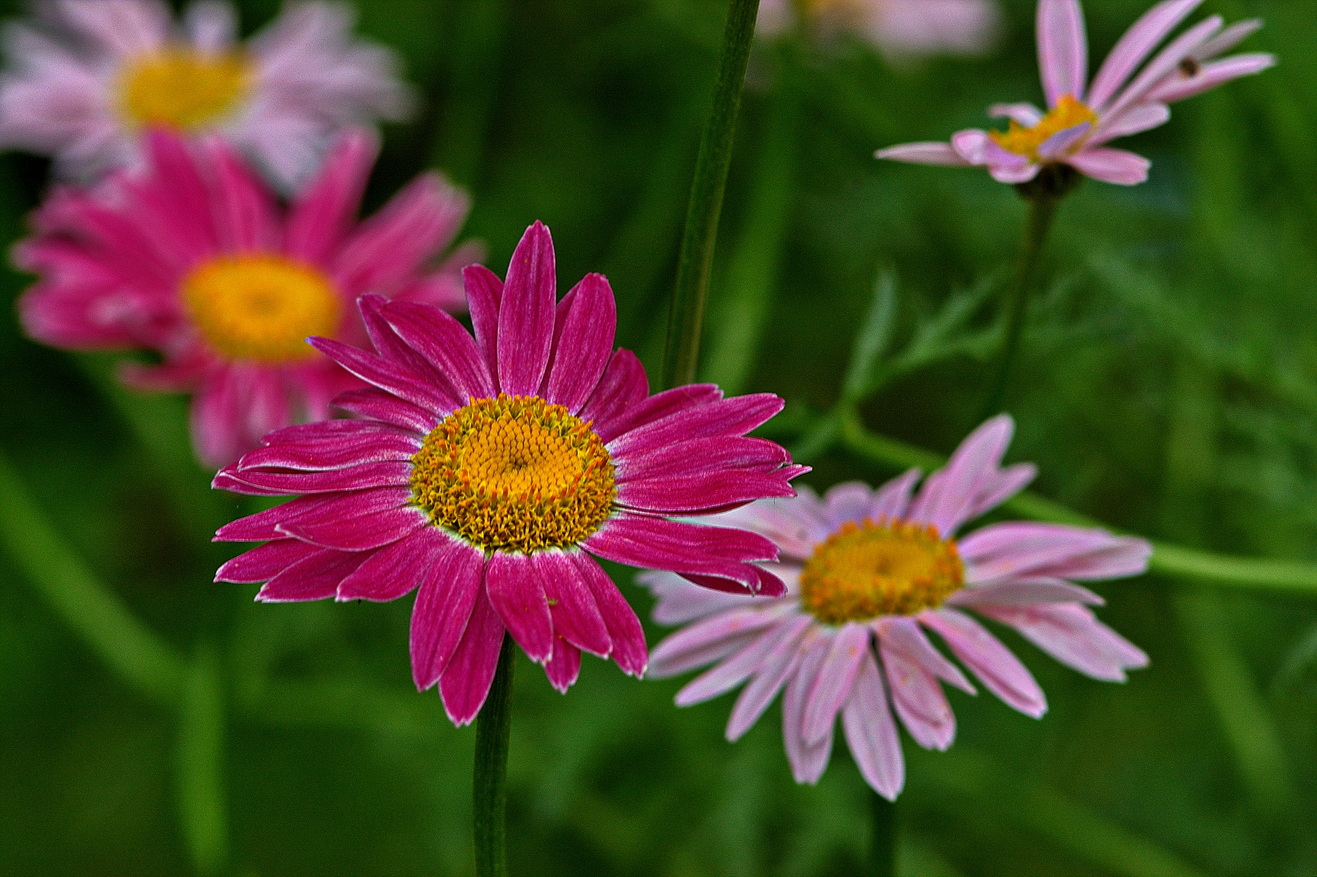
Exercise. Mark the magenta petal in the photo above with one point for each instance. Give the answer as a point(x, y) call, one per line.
point(656, 543)
point(999, 670)
point(330, 444)
point(448, 595)
point(583, 342)
point(441, 340)
point(465, 683)
point(564, 665)
point(272, 482)
point(833, 685)
point(629, 650)
point(706, 492)
point(384, 374)
point(245, 213)
point(265, 562)
point(392, 571)
point(622, 388)
point(808, 760)
point(484, 292)
point(768, 680)
point(699, 458)
point(871, 732)
point(514, 583)
point(735, 416)
point(575, 615)
point(392, 348)
point(260, 527)
point(358, 520)
point(526, 314)
point(316, 577)
point(378, 404)
point(320, 216)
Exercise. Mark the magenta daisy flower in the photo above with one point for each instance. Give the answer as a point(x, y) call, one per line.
point(190, 257)
point(868, 573)
point(485, 472)
point(88, 78)
point(897, 28)
point(1080, 119)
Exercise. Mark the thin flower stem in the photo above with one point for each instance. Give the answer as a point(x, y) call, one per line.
point(1044, 194)
point(130, 648)
point(882, 851)
point(491, 769)
point(715, 156)
point(200, 766)
point(1176, 561)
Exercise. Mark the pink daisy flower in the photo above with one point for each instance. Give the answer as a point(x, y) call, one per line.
point(485, 472)
point(191, 257)
point(1080, 119)
point(88, 78)
point(898, 28)
point(868, 572)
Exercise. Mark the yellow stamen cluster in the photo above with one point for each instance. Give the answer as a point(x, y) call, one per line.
point(180, 87)
point(514, 473)
point(261, 307)
point(1067, 113)
point(884, 567)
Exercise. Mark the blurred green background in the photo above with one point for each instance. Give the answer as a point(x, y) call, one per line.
point(1168, 386)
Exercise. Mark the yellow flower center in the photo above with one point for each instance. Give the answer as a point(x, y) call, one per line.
point(261, 307)
point(514, 473)
point(180, 87)
point(1067, 113)
point(887, 567)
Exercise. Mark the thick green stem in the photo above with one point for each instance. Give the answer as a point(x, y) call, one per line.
point(715, 156)
point(491, 769)
point(882, 851)
point(1205, 567)
point(1044, 194)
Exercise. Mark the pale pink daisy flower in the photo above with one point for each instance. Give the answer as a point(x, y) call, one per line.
point(868, 573)
point(898, 28)
point(1081, 118)
point(487, 471)
point(190, 257)
point(88, 77)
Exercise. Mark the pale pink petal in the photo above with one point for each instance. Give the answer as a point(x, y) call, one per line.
point(1136, 119)
point(1024, 593)
point(731, 672)
point(1024, 114)
point(1111, 165)
point(832, 685)
point(1134, 46)
point(994, 665)
point(847, 502)
point(1071, 634)
point(871, 732)
point(1210, 75)
point(777, 667)
point(901, 634)
point(893, 498)
point(917, 697)
point(923, 153)
point(1162, 64)
point(1060, 143)
point(808, 760)
point(1062, 49)
point(948, 495)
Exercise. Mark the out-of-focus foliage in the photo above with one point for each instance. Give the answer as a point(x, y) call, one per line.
point(1168, 386)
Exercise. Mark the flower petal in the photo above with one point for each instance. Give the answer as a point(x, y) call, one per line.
point(919, 700)
point(449, 592)
point(315, 577)
point(999, 670)
point(465, 683)
point(1071, 634)
point(871, 732)
point(514, 583)
point(393, 571)
point(1062, 49)
point(1111, 165)
point(583, 342)
point(833, 685)
point(773, 672)
point(575, 615)
point(808, 760)
point(1134, 46)
point(923, 153)
point(526, 314)
point(564, 665)
point(629, 650)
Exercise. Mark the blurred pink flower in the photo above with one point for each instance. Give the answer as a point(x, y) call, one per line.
point(486, 471)
point(88, 78)
point(1081, 119)
point(867, 573)
point(190, 256)
point(898, 28)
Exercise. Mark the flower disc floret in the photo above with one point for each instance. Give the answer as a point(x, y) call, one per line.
point(261, 308)
point(180, 87)
point(514, 473)
point(1025, 140)
point(873, 568)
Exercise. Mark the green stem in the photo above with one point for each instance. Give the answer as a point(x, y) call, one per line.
point(130, 648)
point(491, 769)
point(882, 852)
point(200, 767)
point(715, 156)
point(1176, 561)
point(1044, 194)
point(740, 314)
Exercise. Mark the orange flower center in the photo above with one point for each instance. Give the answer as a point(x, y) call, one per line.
point(1067, 113)
point(887, 567)
point(514, 473)
point(183, 88)
point(261, 307)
